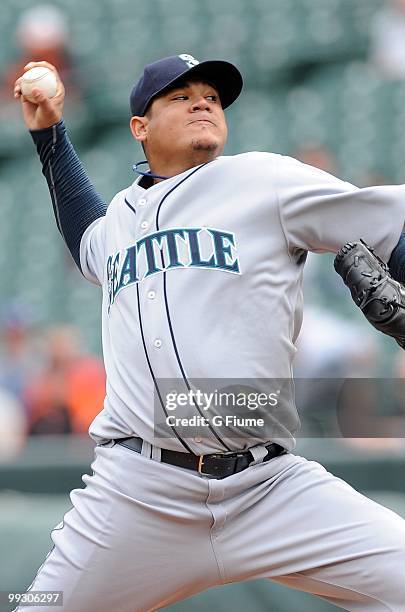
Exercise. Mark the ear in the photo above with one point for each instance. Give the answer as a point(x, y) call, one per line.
point(139, 128)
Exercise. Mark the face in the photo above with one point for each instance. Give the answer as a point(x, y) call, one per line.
point(184, 120)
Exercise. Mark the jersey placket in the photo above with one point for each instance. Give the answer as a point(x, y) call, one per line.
point(159, 349)
point(160, 346)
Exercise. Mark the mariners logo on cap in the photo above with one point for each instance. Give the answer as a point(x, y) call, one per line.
point(189, 59)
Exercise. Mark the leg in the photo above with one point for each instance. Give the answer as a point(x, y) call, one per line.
point(136, 539)
point(308, 529)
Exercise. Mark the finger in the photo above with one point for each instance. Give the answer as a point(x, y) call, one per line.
point(42, 101)
point(60, 89)
point(40, 98)
point(41, 64)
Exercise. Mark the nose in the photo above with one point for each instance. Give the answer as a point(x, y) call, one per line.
point(200, 103)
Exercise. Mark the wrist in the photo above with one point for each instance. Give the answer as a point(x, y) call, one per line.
point(44, 134)
point(46, 129)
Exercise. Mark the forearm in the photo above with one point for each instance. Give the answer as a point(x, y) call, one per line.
point(76, 204)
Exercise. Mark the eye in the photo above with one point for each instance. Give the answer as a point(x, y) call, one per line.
point(213, 97)
point(180, 97)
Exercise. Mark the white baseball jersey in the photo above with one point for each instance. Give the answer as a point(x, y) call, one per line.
point(202, 278)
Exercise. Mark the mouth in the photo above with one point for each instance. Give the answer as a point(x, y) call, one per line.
point(203, 121)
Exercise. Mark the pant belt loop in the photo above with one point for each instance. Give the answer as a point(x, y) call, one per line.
point(259, 452)
point(146, 449)
point(156, 453)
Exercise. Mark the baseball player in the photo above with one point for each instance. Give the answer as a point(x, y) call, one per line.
point(200, 262)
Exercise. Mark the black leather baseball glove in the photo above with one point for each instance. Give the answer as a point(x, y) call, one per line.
point(380, 297)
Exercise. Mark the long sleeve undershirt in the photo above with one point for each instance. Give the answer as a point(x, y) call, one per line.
point(76, 204)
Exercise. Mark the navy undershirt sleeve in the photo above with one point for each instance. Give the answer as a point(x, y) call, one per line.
point(76, 204)
point(396, 263)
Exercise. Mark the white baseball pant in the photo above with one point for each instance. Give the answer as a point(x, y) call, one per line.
point(143, 534)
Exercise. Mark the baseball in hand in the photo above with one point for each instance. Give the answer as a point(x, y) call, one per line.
point(40, 77)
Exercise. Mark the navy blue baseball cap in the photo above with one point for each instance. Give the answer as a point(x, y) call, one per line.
point(165, 72)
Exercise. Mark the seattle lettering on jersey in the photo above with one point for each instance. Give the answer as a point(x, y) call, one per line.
point(160, 252)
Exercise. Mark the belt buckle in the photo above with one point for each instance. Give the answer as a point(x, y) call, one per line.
point(201, 463)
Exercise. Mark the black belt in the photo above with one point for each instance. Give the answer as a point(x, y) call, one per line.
point(215, 465)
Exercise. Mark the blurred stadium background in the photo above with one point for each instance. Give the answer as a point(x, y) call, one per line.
point(325, 82)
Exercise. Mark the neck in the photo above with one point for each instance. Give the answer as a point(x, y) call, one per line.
point(171, 167)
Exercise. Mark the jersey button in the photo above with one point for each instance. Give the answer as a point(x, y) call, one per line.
point(144, 225)
point(142, 202)
point(151, 295)
point(157, 343)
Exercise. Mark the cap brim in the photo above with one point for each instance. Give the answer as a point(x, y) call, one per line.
point(223, 75)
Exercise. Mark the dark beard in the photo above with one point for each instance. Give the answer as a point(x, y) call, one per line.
point(198, 145)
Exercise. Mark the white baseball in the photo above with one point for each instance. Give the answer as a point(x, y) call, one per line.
point(40, 77)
